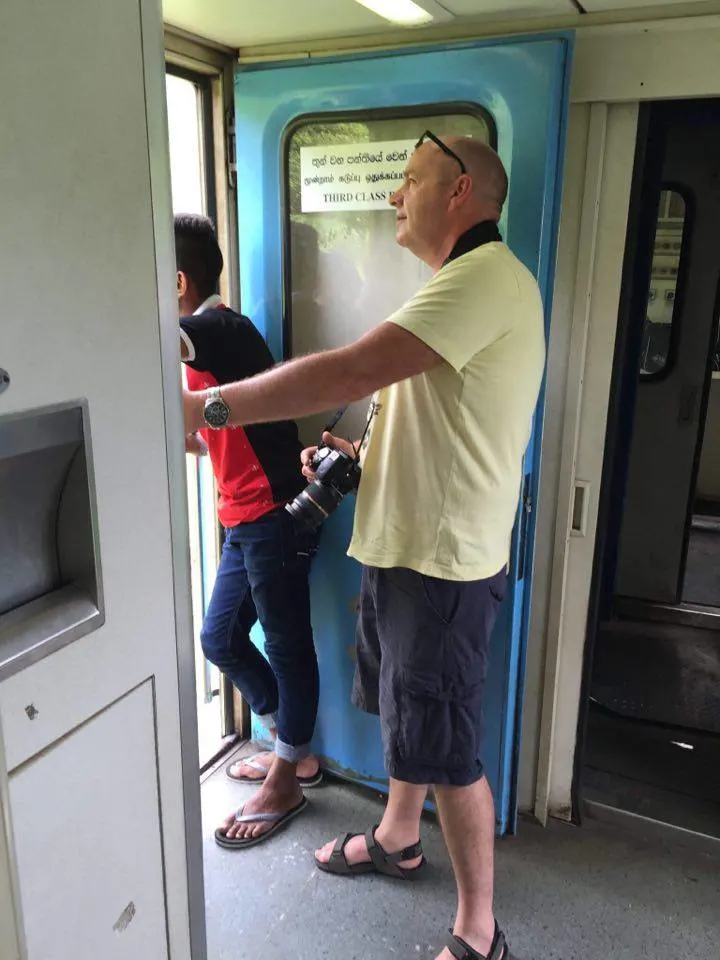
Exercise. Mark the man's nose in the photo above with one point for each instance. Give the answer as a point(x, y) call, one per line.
point(395, 199)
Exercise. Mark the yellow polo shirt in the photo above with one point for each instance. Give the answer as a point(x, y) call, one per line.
point(442, 461)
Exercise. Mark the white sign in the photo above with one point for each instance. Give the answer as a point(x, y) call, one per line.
point(352, 176)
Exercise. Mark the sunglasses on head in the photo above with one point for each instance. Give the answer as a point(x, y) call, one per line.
point(428, 135)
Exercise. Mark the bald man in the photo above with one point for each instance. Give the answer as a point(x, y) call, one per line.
point(455, 375)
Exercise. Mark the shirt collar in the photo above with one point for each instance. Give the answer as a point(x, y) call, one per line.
point(484, 232)
point(212, 302)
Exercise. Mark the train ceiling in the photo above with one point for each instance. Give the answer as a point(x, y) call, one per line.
point(250, 23)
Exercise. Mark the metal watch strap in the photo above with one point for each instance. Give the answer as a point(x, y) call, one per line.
point(214, 396)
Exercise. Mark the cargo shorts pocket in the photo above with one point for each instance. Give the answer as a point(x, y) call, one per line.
point(440, 724)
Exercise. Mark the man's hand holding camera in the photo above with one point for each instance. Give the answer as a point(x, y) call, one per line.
point(333, 469)
point(329, 441)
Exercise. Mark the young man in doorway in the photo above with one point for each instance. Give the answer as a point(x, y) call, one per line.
point(264, 567)
point(457, 372)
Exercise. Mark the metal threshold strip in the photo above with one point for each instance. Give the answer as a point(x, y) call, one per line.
point(683, 614)
point(653, 829)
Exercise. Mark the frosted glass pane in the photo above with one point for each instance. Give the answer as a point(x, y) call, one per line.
point(346, 271)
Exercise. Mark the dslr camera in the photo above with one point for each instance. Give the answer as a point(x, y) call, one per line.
point(336, 474)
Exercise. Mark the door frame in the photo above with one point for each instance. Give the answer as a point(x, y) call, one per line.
point(161, 199)
point(616, 69)
point(648, 182)
point(624, 380)
point(211, 68)
point(606, 136)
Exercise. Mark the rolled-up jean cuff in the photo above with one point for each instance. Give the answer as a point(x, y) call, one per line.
point(289, 753)
point(268, 720)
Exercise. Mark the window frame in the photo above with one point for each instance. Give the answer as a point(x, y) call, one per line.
point(207, 132)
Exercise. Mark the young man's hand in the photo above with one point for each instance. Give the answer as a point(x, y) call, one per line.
point(195, 444)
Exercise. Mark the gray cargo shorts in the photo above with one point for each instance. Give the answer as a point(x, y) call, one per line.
point(422, 658)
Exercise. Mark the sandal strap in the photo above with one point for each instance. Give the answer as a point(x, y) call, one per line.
point(338, 851)
point(240, 817)
point(385, 862)
point(463, 951)
point(252, 763)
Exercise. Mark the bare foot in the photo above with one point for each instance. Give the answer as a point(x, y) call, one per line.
point(242, 769)
point(356, 850)
point(270, 798)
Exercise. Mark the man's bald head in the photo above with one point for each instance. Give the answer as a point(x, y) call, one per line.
point(490, 181)
point(438, 201)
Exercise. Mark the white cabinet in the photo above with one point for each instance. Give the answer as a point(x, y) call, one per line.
point(87, 839)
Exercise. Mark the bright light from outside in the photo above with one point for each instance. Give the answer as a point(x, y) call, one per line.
point(398, 11)
point(187, 173)
point(186, 161)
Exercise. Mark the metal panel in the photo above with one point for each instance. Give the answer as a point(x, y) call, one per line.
point(585, 272)
point(50, 582)
point(664, 61)
point(567, 616)
point(549, 504)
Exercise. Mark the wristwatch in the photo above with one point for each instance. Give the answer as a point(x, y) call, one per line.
point(216, 412)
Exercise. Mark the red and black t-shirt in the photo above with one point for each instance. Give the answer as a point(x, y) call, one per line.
point(257, 467)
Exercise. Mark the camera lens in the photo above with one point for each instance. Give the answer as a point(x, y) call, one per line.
point(313, 505)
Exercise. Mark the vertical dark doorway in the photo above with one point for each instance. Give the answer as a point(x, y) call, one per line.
point(650, 730)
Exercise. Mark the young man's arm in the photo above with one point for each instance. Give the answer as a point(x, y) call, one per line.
point(321, 381)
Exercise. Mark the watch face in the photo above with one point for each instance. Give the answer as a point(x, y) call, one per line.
point(217, 413)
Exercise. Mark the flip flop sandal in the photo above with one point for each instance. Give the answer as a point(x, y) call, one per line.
point(463, 951)
point(306, 782)
point(380, 861)
point(278, 821)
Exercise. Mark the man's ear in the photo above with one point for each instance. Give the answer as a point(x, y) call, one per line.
point(182, 284)
point(462, 191)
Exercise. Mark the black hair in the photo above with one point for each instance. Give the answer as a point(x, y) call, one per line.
point(197, 252)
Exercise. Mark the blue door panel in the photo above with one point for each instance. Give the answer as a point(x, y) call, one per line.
point(523, 84)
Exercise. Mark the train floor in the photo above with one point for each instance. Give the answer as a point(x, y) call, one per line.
point(562, 893)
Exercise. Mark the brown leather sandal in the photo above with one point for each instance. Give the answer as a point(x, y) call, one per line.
point(380, 860)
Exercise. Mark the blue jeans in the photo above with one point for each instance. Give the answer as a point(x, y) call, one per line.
point(263, 575)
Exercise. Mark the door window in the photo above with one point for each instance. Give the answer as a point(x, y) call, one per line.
point(344, 272)
point(658, 333)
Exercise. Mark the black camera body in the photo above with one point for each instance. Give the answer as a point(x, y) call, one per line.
point(336, 474)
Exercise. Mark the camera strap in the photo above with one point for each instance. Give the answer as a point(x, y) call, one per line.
point(335, 419)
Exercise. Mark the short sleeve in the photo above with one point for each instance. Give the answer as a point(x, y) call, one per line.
point(463, 309)
point(225, 344)
point(201, 336)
